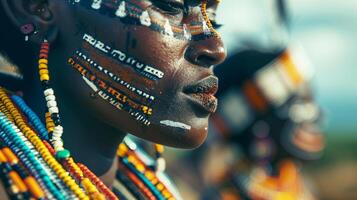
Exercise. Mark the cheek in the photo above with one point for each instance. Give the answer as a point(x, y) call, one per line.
point(113, 65)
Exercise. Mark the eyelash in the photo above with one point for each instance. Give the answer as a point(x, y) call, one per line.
point(176, 8)
point(172, 8)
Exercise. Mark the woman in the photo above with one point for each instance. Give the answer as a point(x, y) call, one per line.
point(134, 66)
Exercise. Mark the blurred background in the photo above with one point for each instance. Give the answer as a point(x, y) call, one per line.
point(327, 31)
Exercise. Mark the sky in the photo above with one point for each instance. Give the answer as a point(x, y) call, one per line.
point(326, 29)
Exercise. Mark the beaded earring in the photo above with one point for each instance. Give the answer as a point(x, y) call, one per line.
point(51, 102)
point(27, 30)
point(93, 187)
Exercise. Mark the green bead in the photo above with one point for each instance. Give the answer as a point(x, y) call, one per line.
point(63, 154)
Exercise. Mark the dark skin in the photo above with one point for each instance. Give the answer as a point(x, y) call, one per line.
point(93, 128)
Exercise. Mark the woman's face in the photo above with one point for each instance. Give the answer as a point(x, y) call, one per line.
point(142, 66)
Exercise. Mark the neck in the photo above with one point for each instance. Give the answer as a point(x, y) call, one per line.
point(89, 140)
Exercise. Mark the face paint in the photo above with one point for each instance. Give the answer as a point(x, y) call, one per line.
point(145, 70)
point(175, 124)
point(125, 86)
point(136, 13)
point(112, 95)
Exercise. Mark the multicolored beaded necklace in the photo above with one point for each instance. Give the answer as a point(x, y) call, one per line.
point(35, 165)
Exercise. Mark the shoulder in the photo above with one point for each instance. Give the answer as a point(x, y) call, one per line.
point(10, 75)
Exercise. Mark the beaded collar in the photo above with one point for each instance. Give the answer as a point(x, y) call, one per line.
point(29, 167)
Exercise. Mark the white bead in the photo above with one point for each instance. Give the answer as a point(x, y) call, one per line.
point(59, 149)
point(160, 165)
point(51, 104)
point(59, 127)
point(57, 142)
point(49, 92)
point(53, 110)
point(56, 136)
point(50, 98)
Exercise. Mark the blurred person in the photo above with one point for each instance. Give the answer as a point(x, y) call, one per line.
point(270, 122)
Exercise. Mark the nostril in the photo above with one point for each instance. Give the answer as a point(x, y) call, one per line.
point(205, 60)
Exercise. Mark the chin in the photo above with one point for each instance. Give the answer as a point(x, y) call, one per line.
point(178, 137)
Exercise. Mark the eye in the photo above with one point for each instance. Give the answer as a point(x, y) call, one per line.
point(170, 7)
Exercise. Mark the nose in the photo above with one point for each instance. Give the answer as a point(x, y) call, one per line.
point(206, 52)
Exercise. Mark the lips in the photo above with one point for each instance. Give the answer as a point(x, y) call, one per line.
point(202, 93)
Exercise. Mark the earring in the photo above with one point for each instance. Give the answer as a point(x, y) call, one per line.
point(27, 30)
point(51, 102)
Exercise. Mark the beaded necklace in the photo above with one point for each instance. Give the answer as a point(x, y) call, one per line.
point(22, 160)
point(34, 163)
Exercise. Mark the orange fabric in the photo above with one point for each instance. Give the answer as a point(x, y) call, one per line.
point(254, 96)
point(291, 70)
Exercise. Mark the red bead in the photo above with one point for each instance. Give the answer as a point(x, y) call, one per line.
point(101, 186)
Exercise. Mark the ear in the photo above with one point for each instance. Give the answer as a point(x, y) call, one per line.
point(33, 18)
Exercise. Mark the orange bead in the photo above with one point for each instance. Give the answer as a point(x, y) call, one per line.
point(160, 186)
point(3, 159)
point(34, 188)
point(14, 176)
point(11, 157)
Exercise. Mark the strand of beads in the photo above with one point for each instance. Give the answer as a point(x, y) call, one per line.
point(27, 112)
point(6, 112)
point(37, 125)
point(57, 131)
point(160, 161)
point(41, 148)
point(50, 125)
point(12, 140)
point(12, 185)
point(51, 171)
point(32, 117)
point(102, 187)
point(139, 173)
point(51, 102)
point(76, 171)
point(28, 181)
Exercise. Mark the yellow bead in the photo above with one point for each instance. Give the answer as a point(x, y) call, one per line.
point(160, 186)
point(43, 72)
point(159, 148)
point(43, 61)
point(44, 77)
point(42, 66)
